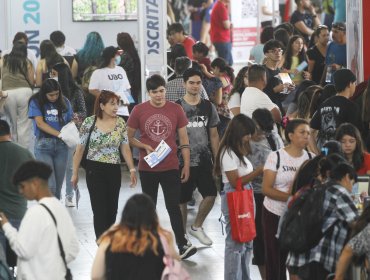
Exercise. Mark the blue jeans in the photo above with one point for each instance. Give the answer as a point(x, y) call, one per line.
point(69, 171)
point(224, 51)
point(54, 152)
point(237, 255)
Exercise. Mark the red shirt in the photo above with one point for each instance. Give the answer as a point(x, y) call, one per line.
point(156, 124)
point(220, 13)
point(207, 62)
point(188, 45)
point(365, 165)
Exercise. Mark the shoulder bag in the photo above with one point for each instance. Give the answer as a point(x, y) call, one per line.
point(241, 213)
point(86, 150)
point(68, 275)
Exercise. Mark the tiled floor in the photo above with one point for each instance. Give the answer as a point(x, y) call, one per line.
point(207, 264)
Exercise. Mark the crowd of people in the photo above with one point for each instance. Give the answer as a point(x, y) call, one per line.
point(292, 121)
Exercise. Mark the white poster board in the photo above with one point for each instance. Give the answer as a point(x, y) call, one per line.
point(152, 34)
point(354, 38)
point(244, 17)
point(37, 18)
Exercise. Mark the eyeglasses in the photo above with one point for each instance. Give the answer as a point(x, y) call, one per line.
point(276, 51)
point(339, 26)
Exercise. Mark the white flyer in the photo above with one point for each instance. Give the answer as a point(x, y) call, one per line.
point(158, 155)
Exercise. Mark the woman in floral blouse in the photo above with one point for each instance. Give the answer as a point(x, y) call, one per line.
point(103, 172)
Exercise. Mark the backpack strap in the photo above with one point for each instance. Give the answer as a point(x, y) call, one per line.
point(278, 160)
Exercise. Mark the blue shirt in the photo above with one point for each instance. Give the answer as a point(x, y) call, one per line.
point(51, 116)
point(336, 54)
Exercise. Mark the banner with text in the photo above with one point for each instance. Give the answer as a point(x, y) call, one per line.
point(244, 18)
point(37, 18)
point(355, 38)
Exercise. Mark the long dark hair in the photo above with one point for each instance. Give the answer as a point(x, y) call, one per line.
point(350, 130)
point(224, 67)
point(49, 53)
point(16, 61)
point(238, 127)
point(307, 174)
point(289, 52)
point(67, 84)
point(138, 230)
point(126, 43)
point(305, 100)
point(239, 85)
point(41, 99)
point(265, 122)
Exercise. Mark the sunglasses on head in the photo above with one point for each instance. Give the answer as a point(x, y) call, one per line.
point(338, 26)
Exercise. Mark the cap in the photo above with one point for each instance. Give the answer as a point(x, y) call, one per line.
point(342, 78)
point(110, 52)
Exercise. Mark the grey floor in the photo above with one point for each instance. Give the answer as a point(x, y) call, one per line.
point(207, 264)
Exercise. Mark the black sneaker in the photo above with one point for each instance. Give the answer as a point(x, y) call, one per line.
point(187, 251)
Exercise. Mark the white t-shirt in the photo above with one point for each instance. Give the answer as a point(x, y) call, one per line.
point(270, 5)
point(66, 51)
point(252, 99)
point(113, 79)
point(234, 101)
point(284, 177)
point(229, 161)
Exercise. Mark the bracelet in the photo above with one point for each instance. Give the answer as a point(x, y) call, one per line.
point(132, 170)
point(184, 146)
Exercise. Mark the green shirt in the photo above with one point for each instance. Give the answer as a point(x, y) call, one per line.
point(12, 203)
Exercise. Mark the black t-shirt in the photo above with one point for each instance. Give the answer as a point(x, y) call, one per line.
point(128, 266)
point(331, 114)
point(273, 81)
point(307, 20)
point(318, 68)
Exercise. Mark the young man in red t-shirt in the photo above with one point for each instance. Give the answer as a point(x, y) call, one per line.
point(177, 35)
point(220, 30)
point(157, 120)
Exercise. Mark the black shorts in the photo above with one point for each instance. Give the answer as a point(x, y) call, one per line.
point(201, 178)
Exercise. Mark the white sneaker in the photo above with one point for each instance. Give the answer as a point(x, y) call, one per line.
point(187, 240)
point(199, 234)
point(69, 202)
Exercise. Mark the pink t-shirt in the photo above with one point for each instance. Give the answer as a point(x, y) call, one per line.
point(155, 125)
point(188, 45)
point(284, 176)
point(218, 32)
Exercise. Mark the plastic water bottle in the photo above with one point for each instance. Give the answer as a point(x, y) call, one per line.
point(329, 71)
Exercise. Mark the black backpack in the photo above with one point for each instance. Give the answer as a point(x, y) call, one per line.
point(301, 229)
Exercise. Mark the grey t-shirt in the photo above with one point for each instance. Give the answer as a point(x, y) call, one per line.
point(259, 153)
point(201, 117)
